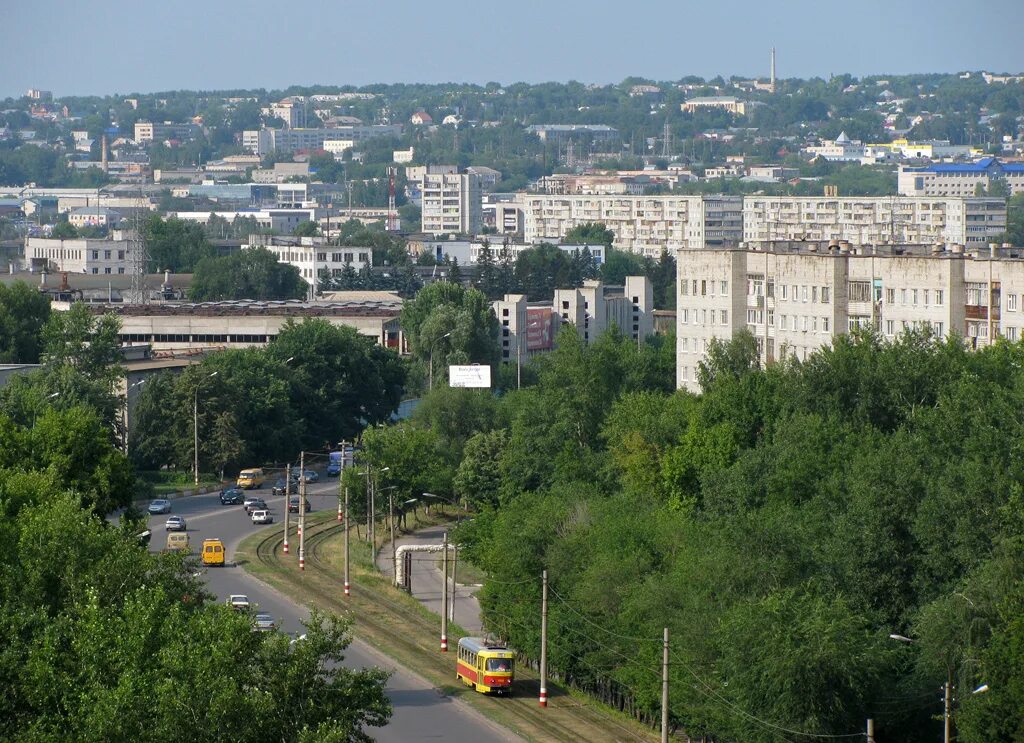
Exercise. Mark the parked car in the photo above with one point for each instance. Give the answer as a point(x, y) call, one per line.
point(175, 523)
point(160, 505)
point(239, 602)
point(293, 505)
point(256, 505)
point(263, 622)
point(262, 517)
point(232, 496)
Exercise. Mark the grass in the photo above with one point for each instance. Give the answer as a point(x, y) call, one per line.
point(466, 573)
point(401, 628)
point(164, 482)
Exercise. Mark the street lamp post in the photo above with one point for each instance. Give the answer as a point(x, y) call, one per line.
point(431, 384)
point(195, 431)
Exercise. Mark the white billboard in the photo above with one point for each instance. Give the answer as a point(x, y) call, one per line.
point(469, 376)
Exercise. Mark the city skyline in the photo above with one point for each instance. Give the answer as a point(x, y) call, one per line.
point(112, 48)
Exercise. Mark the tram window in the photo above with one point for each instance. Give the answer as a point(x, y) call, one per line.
point(499, 664)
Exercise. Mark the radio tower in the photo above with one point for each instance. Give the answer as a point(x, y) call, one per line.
point(138, 257)
point(666, 140)
point(392, 215)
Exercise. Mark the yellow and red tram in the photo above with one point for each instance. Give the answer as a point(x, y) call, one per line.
point(486, 666)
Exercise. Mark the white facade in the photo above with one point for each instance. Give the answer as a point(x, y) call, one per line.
point(796, 298)
point(960, 179)
point(843, 149)
point(80, 255)
point(265, 141)
point(451, 204)
point(312, 255)
point(873, 219)
point(642, 224)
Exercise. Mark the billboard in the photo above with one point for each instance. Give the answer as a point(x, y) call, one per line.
point(539, 332)
point(469, 376)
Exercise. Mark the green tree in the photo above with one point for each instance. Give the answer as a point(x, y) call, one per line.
point(64, 230)
point(23, 314)
point(589, 233)
point(306, 229)
point(478, 479)
point(253, 273)
point(174, 244)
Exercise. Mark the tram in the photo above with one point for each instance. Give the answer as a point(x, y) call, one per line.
point(487, 667)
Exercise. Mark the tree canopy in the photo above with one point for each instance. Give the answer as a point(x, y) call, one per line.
point(252, 273)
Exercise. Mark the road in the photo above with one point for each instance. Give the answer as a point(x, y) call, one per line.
point(426, 578)
point(420, 712)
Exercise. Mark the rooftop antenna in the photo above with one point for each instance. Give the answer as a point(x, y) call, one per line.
point(666, 140)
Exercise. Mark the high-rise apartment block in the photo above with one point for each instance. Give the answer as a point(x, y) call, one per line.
point(451, 203)
point(795, 297)
point(642, 224)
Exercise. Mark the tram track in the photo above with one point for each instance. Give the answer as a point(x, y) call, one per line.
point(403, 632)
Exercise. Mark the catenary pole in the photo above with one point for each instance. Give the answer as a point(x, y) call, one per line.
point(664, 688)
point(347, 529)
point(444, 594)
point(287, 500)
point(455, 563)
point(948, 711)
point(302, 511)
point(394, 548)
point(341, 475)
point(871, 731)
point(544, 641)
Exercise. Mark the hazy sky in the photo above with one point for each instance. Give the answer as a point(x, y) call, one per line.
point(113, 46)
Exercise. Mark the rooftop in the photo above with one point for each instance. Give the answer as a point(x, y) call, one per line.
point(249, 307)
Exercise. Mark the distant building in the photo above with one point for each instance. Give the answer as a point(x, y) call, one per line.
point(842, 149)
point(266, 141)
point(147, 131)
point(451, 204)
point(489, 177)
point(80, 255)
point(312, 255)
point(281, 172)
point(39, 95)
point(421, 118)
point(93, 216)
point(728, 103)
point(796, 297)
point(560, 132)
point(403, 156)
point(960, 179)
point(529, 328)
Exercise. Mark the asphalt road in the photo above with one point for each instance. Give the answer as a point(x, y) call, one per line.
point(426, 578)
point(420, 712)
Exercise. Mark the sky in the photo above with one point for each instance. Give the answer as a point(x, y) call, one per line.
point(83, 47)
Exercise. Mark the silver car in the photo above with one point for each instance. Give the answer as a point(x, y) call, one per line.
point(160, 505)
point(263, 622)
point(175, 523)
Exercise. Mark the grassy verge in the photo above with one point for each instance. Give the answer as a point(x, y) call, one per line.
point(401, 628)
point(466, 573)
point(157, 483)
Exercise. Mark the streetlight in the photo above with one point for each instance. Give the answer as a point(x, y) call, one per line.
point(195, 429)
point(947, 693)
point(432, 358)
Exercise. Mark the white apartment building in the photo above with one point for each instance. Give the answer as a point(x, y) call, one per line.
point(312, 255)
point(642, 224)
point(265, 141)
point(148, 131)
point(725, 102)
point(451, 203)
point(528, 328)
point(80, 255)
point(874, 219)
point(960, 179)
point(796, 297)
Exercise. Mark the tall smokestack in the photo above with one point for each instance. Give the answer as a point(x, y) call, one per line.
point(773, 70)
point(103, 149)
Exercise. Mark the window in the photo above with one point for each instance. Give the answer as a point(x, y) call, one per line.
point(890, 296)
point(814, 294)
point(793, 293)
point(95, 255)
point(826, 295)
point(937, 327)
point(694, 287)
point(913, 297)
point(1011, 302)
point(723, 288)
point(785, 291)
point(120, 255)
point(683, 316)
point(814, 324)
point(703, 288)
point(684, 288)
point(1011, 334)
point(824, 324)
point(975, 294)
point(348, 258)
point(322, 257)
point(804, 293)
point(938, 297)
point(890, 327)
point(95, 270)
point(771, 288)
point(903, 296)
point(860, 291)
point(803, 323)
point(725, 317)
point(121, 269)
point(107, 270)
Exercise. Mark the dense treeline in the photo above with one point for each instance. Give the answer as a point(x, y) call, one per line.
point(782, 524)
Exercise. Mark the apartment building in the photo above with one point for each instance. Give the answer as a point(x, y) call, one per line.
point(110, 256)
point(724, 102)
point(528, 328)
point(960, 179)
point(451, 203)
point(642, 224)
point(148, 131)
point(874, 219)
point(265, 141)
point(795, 297)
point(312, 255)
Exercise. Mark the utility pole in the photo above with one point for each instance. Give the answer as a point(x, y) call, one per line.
point(871, 731)
point(444, 594)
point(195, 440)
point(455, 589)
point(948, 711)
point(394, 548)
point(369, 496)
point(341, 475)
point(664, 688)
point(302, 511)
point(544, 641)
point(347, 529)
point(373, 518)
point(287, 500)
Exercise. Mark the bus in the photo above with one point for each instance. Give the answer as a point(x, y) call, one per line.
point(486, 666)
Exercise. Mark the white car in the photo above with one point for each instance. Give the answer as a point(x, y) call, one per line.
point(239, 601)
point(262, 517)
